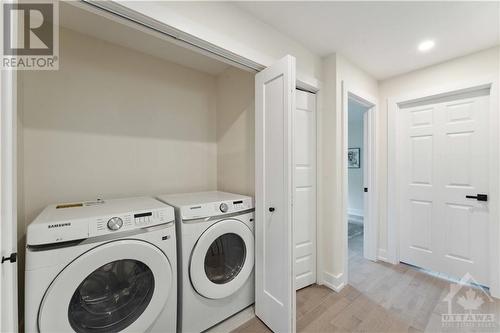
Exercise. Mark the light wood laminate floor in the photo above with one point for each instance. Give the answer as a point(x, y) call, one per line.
point(382, 297)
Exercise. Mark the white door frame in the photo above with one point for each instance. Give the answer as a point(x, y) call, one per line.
point(393, 106)
point(8, 200)
point(370, 228)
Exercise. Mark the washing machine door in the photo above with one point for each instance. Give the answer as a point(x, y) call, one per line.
point(222, 259)
point(122, 285)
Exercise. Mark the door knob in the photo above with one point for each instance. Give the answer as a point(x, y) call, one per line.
point(478, 197)
point(271, 209)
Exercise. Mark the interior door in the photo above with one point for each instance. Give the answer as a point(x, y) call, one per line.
point(274, 251)
point(304, 208)
point(444, 153)
point(8, 218)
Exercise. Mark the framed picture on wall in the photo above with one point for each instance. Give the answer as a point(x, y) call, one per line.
point(354, 158)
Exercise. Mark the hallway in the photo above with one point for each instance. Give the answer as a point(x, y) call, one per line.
point(380, 297)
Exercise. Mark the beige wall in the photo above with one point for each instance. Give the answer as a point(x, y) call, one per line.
point(477, 66)
point(236, 131)
point(113, 122)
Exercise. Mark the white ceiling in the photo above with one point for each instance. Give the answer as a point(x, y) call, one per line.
point(87, 20)
point(382, 37)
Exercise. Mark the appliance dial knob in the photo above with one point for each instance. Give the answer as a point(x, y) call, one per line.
point(115, 223)
point(223, 207)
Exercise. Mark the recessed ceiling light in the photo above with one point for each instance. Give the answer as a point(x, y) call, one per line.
point(426, 45)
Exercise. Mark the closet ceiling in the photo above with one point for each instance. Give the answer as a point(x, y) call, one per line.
point(83, 18)
point(382, 37)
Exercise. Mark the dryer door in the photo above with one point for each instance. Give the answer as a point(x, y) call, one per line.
point(122, 285)
point(222, 259)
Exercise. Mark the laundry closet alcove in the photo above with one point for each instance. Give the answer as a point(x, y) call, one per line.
point(128, 113)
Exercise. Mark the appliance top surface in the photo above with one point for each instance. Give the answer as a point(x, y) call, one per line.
point(90, 209)
point(200, 198)
point(83, 220)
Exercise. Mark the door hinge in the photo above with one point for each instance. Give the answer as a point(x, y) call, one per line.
point(366, 189)
point(12, 258)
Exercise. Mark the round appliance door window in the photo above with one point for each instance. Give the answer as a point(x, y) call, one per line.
point(225, 258)
point(222, 259)
point(112, 297)
point(122, 285)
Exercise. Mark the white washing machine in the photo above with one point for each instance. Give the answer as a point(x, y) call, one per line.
point(215, 234)
point(104, 266)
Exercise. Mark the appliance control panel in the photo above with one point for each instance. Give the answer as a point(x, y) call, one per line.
point(216, 208)
point(235, 205)
point(122, 222)
point(80, 220)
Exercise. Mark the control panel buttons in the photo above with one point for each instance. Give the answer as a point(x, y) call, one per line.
point(223, 207)
point(115, 223)
point(107, 224)
point(239, 206)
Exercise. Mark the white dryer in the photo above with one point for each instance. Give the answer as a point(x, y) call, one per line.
point(215, 233)
point(104, 266)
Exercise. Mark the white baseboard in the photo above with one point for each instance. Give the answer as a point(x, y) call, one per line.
point(356, 212)
point(233, 322)
point(382, 255)
point(355, 219)
point(355, 216)
point(334, 282)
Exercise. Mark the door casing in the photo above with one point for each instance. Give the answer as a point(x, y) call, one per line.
point(8, 200)
point(371, 215)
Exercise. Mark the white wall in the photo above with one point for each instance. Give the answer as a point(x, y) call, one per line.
point(113, 122)
point(229, 27)
point(236, 131)
point(337, 71)
point(327, 229)
point(479, 65)
point(355, 177)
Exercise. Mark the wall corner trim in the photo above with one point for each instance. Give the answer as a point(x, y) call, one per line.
point(334, 282)
point(382, 255)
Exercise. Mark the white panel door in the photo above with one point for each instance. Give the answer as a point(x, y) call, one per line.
point(8, 218)
point(304, 141)
point(274, 246)
point(444, 158)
